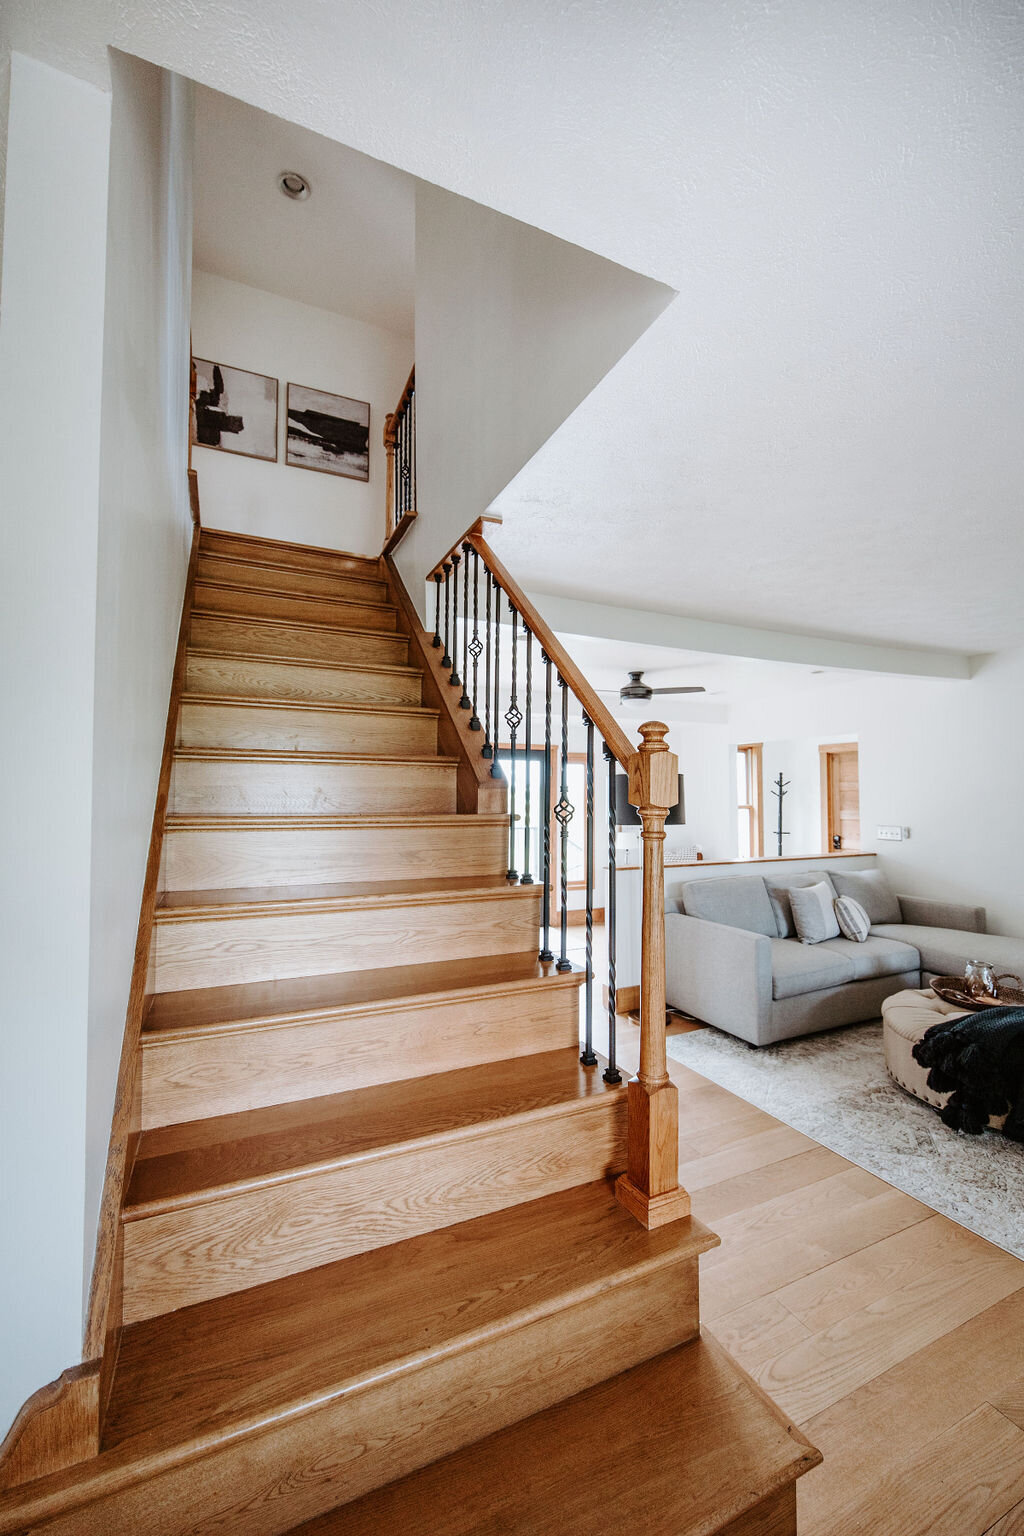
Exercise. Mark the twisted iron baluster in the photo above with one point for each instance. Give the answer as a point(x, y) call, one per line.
point(465, 702)
point(546, 953)
point(513, 719)
point(446, 659)
point(588, 1057)
point(527, 878)
point(475, 647)
point(437, 609)
point(486, 750)
point(563, 815)
point(455, 680)
point(611, 1073)
point(496, 772)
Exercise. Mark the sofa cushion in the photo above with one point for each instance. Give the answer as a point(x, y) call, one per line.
point(853, 921)
point(779, 887)
point(799, 968)
point(875, 956)
point(873, 891)
point(740, 901)
point(814, 913)
point(945, 951)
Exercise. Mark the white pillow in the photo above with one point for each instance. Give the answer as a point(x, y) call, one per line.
point(852, 919)
point(814, 913)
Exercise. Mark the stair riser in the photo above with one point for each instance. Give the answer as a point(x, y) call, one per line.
point(264, 679)
point(207, 859)
point(221, 951)
point(186, 1255)
point(312, 643)
point(238, 547)
point(253, 1068)
point(244, 573)
point(301, 610)
point(271, 728)
point(250, 788)
point(300, 1468)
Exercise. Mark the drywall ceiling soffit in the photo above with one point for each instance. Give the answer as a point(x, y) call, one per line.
point(827, 424)
point(348, 248)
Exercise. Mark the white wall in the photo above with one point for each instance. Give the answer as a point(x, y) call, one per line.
point(145, 532)
point(799, 762)
point(51, 349)
point(513, 329)
point(262, 332)
point(940, 757)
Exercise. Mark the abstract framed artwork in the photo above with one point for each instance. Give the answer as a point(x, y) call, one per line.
point(236, 411)
point(330, 433)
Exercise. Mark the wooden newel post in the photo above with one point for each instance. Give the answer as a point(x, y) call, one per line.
point(650, 1186)
point(389, 449)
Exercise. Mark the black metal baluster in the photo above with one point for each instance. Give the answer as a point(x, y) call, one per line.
point(446, 659)
point(412, 424)
point(486, 750)
point(455, 680)
point(513, 719)
point(496, 772)
point(563, 815)
point(611, 1072)
point(437, 609)
point(588, 1057)
point(475, 645)
point(527, 878)
point(546, 953)
point(465, 702)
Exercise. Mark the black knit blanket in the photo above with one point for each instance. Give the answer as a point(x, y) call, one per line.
point(979, 1061)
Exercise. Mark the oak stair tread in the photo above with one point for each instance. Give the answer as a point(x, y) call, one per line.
point(389, 667)
point(180, 1165)
point(278, 754)
point(344, 893)
point(265, 548)
point(314, 625)
point(326, 706)
point(174, 1015)
point(340, 601)
point(685, 1443)
point(374, 580)
point(179, 821)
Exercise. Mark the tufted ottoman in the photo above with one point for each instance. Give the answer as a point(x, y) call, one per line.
point(905, 1018)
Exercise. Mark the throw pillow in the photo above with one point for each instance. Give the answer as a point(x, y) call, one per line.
point(778, 895)
point(852, 919)
point(814, 913)
point(873, 891)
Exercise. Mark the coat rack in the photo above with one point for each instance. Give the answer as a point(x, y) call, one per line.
point(780, 791)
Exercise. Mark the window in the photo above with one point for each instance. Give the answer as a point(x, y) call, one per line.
point(750, 824)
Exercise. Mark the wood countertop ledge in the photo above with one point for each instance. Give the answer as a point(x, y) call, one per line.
point(203, 1160)
point(175, 1015)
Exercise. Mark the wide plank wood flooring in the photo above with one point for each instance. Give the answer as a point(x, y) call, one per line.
point(893, 1336)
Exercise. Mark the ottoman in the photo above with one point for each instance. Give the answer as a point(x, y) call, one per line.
point(905, 1018)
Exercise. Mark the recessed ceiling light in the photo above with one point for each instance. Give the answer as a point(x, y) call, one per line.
point(293, 185)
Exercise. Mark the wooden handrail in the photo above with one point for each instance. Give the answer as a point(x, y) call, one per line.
point(606, 724)
point(392, 417)
point(392, 424)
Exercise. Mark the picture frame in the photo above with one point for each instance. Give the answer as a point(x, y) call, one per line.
point(327, 432)
point(235, 410)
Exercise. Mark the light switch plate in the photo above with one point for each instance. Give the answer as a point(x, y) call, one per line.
point(889, 834)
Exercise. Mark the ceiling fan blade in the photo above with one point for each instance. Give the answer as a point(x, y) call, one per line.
point(679, 690)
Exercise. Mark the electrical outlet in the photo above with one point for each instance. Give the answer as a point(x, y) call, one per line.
point(889, 834)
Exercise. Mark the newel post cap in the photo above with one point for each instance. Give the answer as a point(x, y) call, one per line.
point(654, 770)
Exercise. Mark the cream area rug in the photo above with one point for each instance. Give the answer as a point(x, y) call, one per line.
point(834, 1088)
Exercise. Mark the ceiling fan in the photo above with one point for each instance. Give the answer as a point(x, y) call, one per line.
point(636, 691)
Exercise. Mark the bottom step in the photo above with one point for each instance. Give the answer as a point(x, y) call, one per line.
point(686, 1444)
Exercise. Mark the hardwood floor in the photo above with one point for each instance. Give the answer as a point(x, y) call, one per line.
point(892, 1336)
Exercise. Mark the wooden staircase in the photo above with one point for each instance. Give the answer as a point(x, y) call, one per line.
point(371, 1271)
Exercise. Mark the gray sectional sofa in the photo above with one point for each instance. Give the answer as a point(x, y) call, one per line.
point(733, 958)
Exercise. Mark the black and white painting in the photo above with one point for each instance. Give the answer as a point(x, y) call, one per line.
point(328, 432)
point(235, 410)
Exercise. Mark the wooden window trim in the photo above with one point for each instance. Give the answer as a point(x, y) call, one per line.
point(754, 752)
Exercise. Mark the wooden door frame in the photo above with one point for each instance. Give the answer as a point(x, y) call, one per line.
point(826, 751)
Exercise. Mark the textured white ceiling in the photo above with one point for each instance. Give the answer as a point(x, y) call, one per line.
point(823, 431)
point(349, 247)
